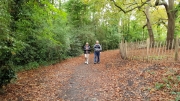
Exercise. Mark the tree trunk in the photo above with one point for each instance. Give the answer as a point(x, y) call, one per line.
point(170, 32)
point(171, 12)
point(176, 49)
point(149, 27)
point(123, 50)
point(171, 23)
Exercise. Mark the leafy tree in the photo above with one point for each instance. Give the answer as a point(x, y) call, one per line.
point(171, 10)
point(8, 45)
point(149, 25)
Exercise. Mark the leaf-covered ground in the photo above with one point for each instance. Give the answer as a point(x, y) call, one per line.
point(113, 79)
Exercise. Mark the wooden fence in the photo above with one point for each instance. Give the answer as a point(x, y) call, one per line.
point(144, 51)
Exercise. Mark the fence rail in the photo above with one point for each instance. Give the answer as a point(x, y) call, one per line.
point(144, 51)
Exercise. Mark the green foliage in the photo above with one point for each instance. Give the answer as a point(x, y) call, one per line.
point(170, 83)
point(177, 95)
point(36, 32)
point(178, 78)
point(8, 45)
point(33, 33)
point(5, 31)
point(159, 86)
point(177, 27)
point(6, 75)
point(77, 11)
point(84, 28)
point(41, 28)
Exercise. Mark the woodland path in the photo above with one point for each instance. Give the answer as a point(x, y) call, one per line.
point(113, 79)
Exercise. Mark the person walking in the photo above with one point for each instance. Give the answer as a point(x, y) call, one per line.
point(97, 50)
point(86, 52)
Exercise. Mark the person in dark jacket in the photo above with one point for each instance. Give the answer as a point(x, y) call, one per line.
point(97, 50)
point(86, 52)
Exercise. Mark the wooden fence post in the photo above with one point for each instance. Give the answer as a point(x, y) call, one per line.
point(176, 49)
point(126, 48)
point(123, 50)
point(148, 46)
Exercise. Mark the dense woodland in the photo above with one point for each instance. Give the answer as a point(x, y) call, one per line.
point(43, 32)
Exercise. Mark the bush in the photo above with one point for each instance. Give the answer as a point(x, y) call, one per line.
point(6, 75)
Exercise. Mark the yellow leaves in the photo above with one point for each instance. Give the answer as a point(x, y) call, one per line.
point(13, 53)
point(85, 1)
point(140, 1)
point(158, 13)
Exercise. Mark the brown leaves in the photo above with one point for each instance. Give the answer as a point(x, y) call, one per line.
point(113, 79)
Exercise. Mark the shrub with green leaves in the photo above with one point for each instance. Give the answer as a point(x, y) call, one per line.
point(6, 75)
point(42, 28)
point(159, 86)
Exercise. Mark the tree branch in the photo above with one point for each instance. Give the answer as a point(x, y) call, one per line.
point(144, 25)
point(118, 6)
point(126, 11)
point(164, 24)
point(146, 19)
point(158, 3)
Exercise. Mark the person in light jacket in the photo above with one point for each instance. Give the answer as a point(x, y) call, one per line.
point(86, 52)
point(97, 50)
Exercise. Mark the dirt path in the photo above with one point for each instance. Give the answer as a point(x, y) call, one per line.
point(113, 79)
point(82, 85)
point(88, 82)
